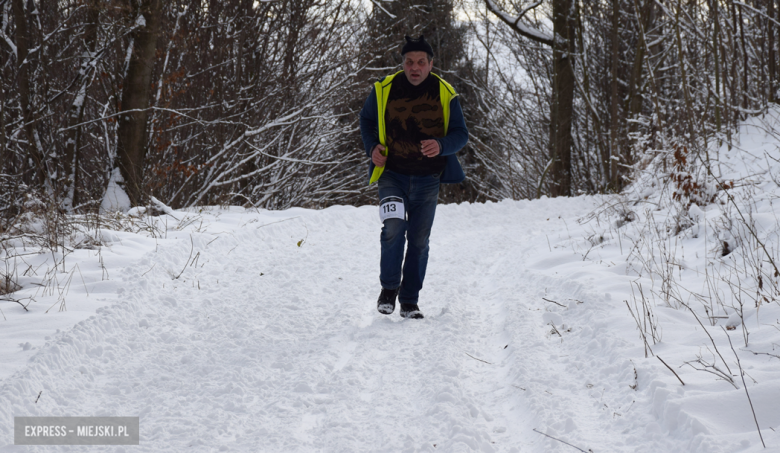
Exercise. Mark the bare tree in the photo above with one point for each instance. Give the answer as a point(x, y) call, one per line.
point(267, 116)
point(561, 105)
point(137, 87)
point(73, 132)
point(255, 103)
point(23, 42)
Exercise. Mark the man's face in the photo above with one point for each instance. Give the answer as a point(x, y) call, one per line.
point(417, 67)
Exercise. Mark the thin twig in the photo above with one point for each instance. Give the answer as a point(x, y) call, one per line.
point(155, 264)
point(556, 303)
point(765, 353)
point(17, 301)
point(641, 331)
point(713, 369)
point(670, 369)
point(82, 280)
point(708, 334)
point(742, 375)
point(192, 246)
point(477, 358)
point(278, 221)
point(745, 222)
point(563, 442)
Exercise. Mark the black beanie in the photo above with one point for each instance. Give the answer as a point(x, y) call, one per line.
point(417, 45)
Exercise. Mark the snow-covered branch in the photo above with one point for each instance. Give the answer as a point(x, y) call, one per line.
point(515, 22)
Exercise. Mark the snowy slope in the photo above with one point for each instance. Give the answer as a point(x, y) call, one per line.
point(264, 345)
point(243, 330)
point(298, 359)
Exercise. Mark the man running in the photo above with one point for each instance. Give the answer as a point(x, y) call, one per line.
point(412, 126)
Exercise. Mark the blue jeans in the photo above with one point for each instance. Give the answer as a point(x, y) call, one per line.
point(420, 194)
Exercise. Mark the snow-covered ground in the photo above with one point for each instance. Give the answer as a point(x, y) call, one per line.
point(243, 330)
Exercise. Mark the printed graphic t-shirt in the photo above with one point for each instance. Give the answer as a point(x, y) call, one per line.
point(414, 113)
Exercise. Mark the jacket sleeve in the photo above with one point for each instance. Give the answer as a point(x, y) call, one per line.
point(369, 123)
point(457, 134)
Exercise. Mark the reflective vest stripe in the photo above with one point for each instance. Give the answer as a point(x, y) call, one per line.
point(382, 88)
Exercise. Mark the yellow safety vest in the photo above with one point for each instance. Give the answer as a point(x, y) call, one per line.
point(446, 94)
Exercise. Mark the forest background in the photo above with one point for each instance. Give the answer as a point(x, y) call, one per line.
point(255, 103)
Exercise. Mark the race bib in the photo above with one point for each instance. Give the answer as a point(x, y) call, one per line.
point(391, 208)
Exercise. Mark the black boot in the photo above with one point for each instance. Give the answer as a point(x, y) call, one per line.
point(411, 311)
point(386, 302)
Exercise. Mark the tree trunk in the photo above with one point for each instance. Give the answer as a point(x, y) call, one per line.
point(76, 114)
point(297, 11)
point(716, 49)
point(562, 102)
point(771, 37)
point(3, 138)
point(601, 145)
point(614, 152)
point(131, 133)
point(735, 91)
point(561, 108)
point(634, 106)
point(745, 64)
point(38, 173)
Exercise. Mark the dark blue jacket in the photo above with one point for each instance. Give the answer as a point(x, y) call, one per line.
point(456, 138)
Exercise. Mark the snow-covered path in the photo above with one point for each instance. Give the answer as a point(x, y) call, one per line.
point(266, 343)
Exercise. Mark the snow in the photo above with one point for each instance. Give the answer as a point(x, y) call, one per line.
point(226, 329)
point(116, 198)
point(516, 22)
point(392, 16)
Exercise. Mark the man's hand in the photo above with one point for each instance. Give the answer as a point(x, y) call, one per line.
point(376, 156)
point(430, 148)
